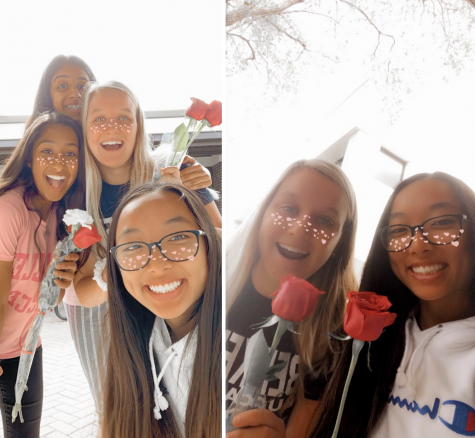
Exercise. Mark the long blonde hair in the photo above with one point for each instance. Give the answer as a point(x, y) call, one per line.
point(336, 277)
point(142, 163)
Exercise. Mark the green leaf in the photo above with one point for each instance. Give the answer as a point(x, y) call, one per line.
point(180, 138)
point(273, 370)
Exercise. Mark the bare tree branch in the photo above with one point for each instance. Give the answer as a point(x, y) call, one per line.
point(248, 10)
point(372, 24)
point(287, 34)
point(313, 13)
point(248, 43)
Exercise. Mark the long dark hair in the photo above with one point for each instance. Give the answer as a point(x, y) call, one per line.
point(17, 173)
point(43, 100)
point(369, 391)
point(127, 379)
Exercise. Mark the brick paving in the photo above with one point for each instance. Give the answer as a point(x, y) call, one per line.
point(68, 407)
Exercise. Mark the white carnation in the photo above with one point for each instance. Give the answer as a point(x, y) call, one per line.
point(76, 216)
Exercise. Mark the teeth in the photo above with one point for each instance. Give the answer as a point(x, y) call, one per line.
point(111, 142)
point(165, 288)
point(74, 107)
point(426, 270)
point(57, 177)
point(289, 248)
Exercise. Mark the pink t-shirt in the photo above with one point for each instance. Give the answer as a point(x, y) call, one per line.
point(17, 244)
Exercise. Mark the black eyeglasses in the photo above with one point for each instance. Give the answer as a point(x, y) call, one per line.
point(176, 247)
point(440, 230)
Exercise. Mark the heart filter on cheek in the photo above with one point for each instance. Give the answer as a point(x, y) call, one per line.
point(304, 222)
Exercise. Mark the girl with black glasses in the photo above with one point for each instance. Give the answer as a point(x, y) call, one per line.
point(163, 367)
point(422, 379)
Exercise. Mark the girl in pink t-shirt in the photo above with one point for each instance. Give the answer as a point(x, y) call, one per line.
point(43, 177)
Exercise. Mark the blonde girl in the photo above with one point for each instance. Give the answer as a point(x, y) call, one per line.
point(305, 227)
point(117, 159)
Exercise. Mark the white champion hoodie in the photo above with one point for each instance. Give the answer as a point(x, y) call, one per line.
point(176, 366)
point(434, 391)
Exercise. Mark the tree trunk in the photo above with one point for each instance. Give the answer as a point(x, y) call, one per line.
point(239, 14)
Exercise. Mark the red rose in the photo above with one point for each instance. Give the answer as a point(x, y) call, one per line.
point(84, 237)
point(214, 113)
point(197, 109)
point(366, 315)
point(295, 300)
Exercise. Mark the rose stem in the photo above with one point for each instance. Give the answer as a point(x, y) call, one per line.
point(356, 348)
point(202, 125)
point(189, 123)
point(281, 328)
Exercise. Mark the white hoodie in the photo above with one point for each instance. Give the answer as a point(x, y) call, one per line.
point(176, 366)
point(434, 391)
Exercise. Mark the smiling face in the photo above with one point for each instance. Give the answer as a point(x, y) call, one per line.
point(168, 289)
point(55, 161)
point(111, 128)
point(301, 226)
point(431, 272)
point(66, 88)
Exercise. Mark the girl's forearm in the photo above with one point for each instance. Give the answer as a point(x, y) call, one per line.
point(89, 293)
point(87, 290)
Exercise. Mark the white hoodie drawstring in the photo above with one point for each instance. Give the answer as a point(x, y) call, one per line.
point(161, 402)
point(401, 379)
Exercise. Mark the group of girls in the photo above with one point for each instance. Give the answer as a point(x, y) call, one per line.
point(148, 338)
point(418, 378)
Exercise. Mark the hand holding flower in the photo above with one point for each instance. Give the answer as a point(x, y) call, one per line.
point(170, 174)
point(195, 176)
point(66, 271)
point(82, 234)
point(257, 423)
point(293, 302)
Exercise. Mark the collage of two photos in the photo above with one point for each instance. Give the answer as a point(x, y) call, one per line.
point(316, 153)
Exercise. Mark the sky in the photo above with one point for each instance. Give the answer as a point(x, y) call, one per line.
point(165, 51)
point(266, 130)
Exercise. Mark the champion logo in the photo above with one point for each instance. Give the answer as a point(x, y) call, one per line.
point(463, 422)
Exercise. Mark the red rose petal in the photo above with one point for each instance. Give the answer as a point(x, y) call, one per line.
point(354, 320)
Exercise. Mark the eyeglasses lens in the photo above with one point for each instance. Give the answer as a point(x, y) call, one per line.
point(180, 246)
point(440, 231)
point(132, 256)
point(396, 238)
point(177, 247)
